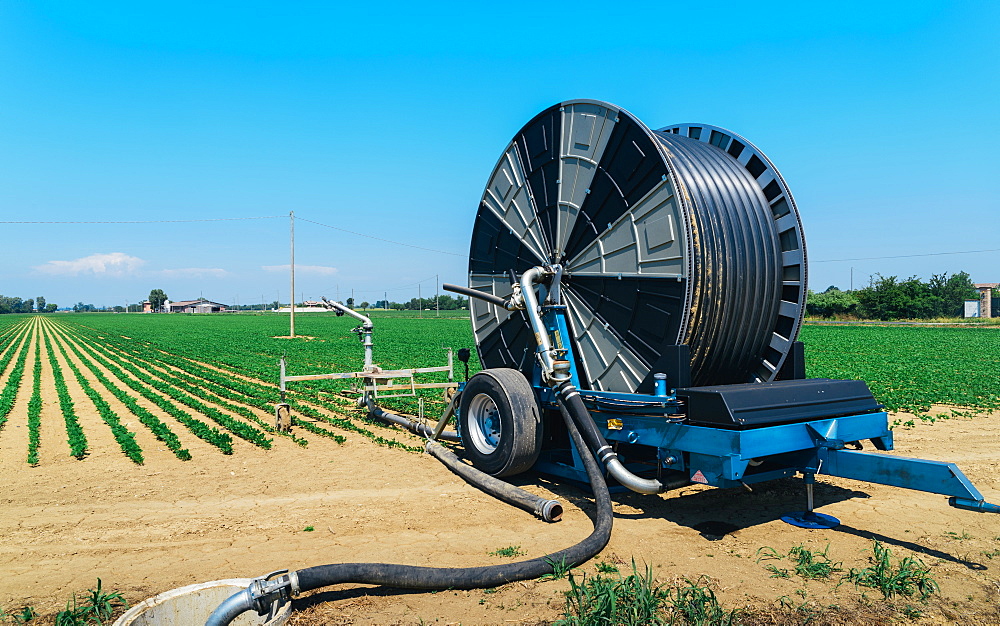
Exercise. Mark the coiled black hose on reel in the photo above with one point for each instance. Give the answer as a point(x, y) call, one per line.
point(416, 577)
point(686, 235)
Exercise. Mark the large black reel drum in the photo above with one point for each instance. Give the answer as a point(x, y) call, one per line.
point(683, 235)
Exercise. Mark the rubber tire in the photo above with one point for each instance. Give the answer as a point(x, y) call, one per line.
point(520, 439)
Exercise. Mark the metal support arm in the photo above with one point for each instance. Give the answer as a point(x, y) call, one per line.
point(897, 471)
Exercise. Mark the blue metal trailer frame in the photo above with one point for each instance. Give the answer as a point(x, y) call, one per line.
point(724, 458)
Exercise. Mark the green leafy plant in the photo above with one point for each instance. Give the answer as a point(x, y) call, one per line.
point(35, 407)
point(805, 562)
point(509, 551)
point(124, 437)
point(101, 606)
point(906, 577)
point(24, 615)
point(630, 600)
point(559, 569)
point(10, 388)
point(159, 429)
point(605, 567)
point(74, 432)
point(97, 607)
point(308, 529)
point(693, 602)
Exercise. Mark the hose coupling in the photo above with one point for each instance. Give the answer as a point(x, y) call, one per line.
point(266, 590)
point(516, 300)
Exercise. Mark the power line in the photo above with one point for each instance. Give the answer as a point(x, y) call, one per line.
point(215, 219)
point(398, 243)
point(230, 219)
point(399, 288)
point(904, 256)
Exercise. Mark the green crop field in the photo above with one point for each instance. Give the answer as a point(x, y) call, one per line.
point(214, 377)
point(909, 368)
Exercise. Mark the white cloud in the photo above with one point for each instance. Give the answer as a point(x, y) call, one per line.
point(194, 272)
point(113, 264)
point(320, 270)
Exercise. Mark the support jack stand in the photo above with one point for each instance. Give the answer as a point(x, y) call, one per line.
point(810, 518)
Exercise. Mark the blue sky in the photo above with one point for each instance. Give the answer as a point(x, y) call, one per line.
point(386, 119)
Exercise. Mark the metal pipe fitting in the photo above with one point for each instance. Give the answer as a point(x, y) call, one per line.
point(410, 424)
point(364, 332)
point(349, 311)
point(980, 506)
point(475, 293)
point(231, 608)
point(569, 399)
point(555, 370)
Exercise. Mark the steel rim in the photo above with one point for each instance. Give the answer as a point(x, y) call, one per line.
point(484, 424)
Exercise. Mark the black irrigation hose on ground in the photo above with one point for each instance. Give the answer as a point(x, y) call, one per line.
point(548, 510)
point(262, 592)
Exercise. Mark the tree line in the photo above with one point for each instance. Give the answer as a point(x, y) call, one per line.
point(31, 305)
point(888, 298)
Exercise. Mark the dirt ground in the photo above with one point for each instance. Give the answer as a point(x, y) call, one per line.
point(147, 529)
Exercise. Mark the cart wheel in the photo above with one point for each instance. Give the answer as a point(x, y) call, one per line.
point(282, 418)
point(500, 424)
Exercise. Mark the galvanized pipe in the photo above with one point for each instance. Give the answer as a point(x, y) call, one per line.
point(410, 424)
point(554, 369)
point(570, 401)
point(231, 608)
point(366, 329)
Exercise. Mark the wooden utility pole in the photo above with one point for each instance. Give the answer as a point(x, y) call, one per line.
point(420, 301)
point(437, 301)
point(291, 316)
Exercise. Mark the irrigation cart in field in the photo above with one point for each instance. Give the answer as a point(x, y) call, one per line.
point(636, 296)
point(658, 278)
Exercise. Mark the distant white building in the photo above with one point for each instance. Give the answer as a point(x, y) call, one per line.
point(196, 306)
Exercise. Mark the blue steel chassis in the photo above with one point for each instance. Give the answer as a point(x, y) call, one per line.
point(731, 458)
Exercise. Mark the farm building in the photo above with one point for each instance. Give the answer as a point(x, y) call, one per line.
point(196, 306)
point(986, 297)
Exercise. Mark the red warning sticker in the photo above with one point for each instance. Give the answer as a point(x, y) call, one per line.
point(699, 478)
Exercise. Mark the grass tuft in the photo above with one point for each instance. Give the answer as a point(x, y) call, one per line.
point(637, 599)
point(907, 577)
point(805, 562)
point(509, 552)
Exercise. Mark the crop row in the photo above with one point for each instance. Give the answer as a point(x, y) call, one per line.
point(197, 427)
point(194, 385)
point(124, 437)
point(254, 394)
point(75, 437)
point(238, 428)
point(159, 429)
point(35, 406)
point(246, 344)
point(9, 393)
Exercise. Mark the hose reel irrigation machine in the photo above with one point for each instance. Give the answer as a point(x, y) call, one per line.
point(636, 296)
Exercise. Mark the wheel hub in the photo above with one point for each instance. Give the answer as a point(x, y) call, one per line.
point(485, 433)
